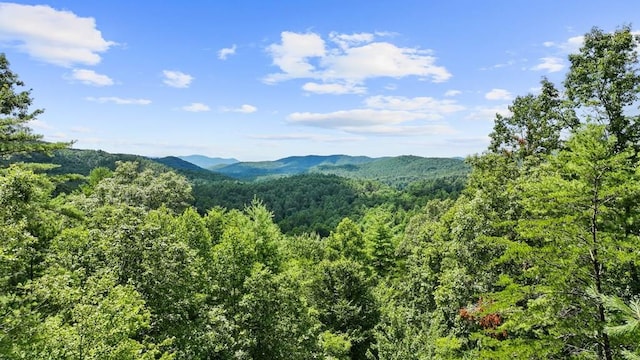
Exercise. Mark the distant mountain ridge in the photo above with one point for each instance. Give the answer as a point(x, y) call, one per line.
point(177, 163)
point(206, 162)
point(399, 170)
point(293, 165)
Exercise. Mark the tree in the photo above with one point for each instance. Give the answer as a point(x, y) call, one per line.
point(604, 79)
point(570, 245)
point(624, 324)
point(347, 240)
point(96, 318)
point(15, 135)
point(342, 296)
point(535, 125)
point(137, 186)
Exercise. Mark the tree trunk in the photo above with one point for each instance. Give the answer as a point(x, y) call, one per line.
point(604, 346)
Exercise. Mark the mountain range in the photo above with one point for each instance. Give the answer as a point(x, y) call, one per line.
point(206, 162)
point(398, 171)
point(391, 170)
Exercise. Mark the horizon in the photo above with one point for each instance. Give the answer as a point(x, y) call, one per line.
point(250, 80)
point(270, 160)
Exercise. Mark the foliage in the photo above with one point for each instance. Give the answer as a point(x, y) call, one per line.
point(395, 171)
point(15, 135)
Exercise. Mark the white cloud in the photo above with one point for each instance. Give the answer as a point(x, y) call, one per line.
point(119, 100)
point(535, 90)
point(572, 45)
point(177, 79)
point(292, 55)
point(53, 36)
point(498, 94)
point(353, 118)
point(450, 93)
point(426, 105)
point(500, 65)
point(369, 121)
point(333, 88)
point(224, 53)
point(346, 41)
point(550, 64)
point(90, 77)
point(306, 137)
point(356, 58)
point(39, 124)
point(196, 107)
point(382, 59)
point(488, 113)
point(384, 115)
point(403, 130)
point(245, 109)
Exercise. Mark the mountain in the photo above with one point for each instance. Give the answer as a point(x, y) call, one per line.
point(398, 171)
point(206, 162)
point(177, 163)
point(293, 165)
point(78, 161)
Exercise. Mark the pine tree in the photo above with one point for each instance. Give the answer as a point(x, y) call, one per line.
point(15, 135)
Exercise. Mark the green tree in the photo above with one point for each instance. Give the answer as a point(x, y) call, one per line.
point(624, 324)
point(535, 125)
point(347, 240)
point(274, 317)
point(604, 79)
point(571, 245)
point(133, 185)
point(15, 135)
point(95, 319)
point(346, 306)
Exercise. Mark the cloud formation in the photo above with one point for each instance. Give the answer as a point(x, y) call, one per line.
point(572, 45)
point(347, 61)
point(176, 79)
point(196, 107)
point(488, 113)
point(245, 109)
point(450, 93)
point(424, 105)
point(384, 115)
point(550, 64)
point(498, 94)
point(39, 124)
point(118, 100)
point(333, 88)
point(306, 137)
point(90, 77)
point(53, 36)
point(224, 53)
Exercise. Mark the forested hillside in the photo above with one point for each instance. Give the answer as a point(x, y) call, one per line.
point(300, 203)
point(537, 258)
point(395, 171)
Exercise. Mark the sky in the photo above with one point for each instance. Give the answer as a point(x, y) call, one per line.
point(261, 80)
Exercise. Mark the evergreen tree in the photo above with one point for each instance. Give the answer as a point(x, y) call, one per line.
point(15, 135)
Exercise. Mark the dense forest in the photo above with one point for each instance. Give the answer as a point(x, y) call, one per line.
point(532, 255)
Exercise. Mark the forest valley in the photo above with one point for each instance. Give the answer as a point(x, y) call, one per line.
point(531, 254)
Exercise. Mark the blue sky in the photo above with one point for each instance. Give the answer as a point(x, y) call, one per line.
point(261, 80)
